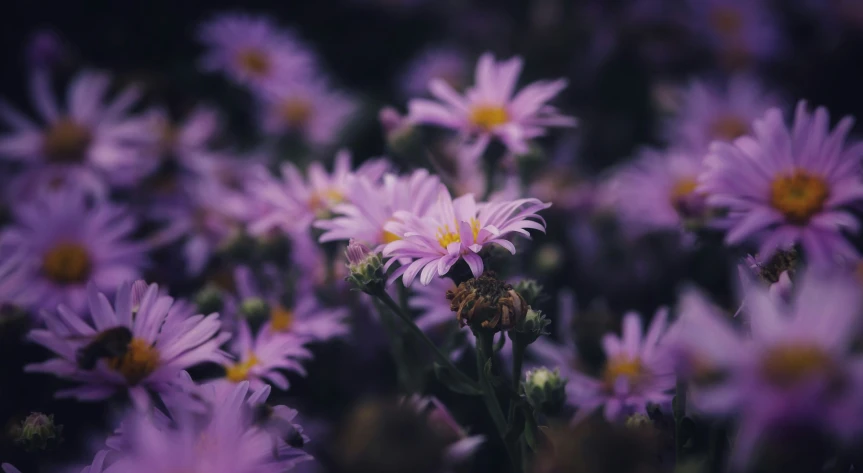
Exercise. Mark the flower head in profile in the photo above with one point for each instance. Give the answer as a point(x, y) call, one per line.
point(786, 186)
point(89, 134)
point(138, 344)
point(456, 229)
point(372, 204)
point(636, 372)
point(261, 359)
point(446, 64)
point(309, 109)
point(253, 50)
point(740, 31)
point(491, 108)
point(712, 113)
point(66, 244)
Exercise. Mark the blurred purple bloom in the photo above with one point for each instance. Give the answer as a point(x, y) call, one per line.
point(45, 49)
point(261, 359)
point(446, 64)
point(187, 141)
point(441, 421)
point(738, 30)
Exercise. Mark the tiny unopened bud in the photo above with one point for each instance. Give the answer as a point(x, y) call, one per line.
point(638, 421)
point(254, 308)
point(532, 327)
point(530, 290)
point(38, 432)
point(545, 390)
point(487, 303)
point(365, 267)
point(209, 299)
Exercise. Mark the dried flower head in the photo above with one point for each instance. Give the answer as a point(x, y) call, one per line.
point(487, 303)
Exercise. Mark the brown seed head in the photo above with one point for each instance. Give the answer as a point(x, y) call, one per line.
point(487, 303)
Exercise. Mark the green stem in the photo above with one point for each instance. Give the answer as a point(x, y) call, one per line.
point(484, 352)
point(679, 414)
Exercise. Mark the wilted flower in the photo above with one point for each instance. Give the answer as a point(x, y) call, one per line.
point(487, 303)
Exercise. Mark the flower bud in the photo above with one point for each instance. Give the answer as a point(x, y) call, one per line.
point(365, 267)
point(38, 432)
point(487, 303)
point(209, 299)
point(531, 327)
point(254, 308)
point(545, 390)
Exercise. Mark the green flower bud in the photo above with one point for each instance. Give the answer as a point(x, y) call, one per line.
point(255, 308)
point(209, 299)
point(38, 432)
point(365, 267)
point(533, 326)
point(545, 390)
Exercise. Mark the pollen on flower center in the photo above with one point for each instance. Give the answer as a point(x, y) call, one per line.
point(67, 263)
point(254, 61)
point(786, 365)
point(240, 371)
point(799, 195)
point(66, 141)
point(320, 200)
point(296, 112)
point(622, 365)
point(727, 21)
point(486, 117)
point(728, 127)
point(445, 236)
point(140, 360)
point(281, 318)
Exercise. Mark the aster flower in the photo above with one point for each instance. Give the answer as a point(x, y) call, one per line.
point(309, 108)
point(489, 109)
point(796, 366)
point(710, 113)
point(69, 244)
point(787, 186)
point(162, 344)
point(636, 372)
point(457, 229)
point(739, 30)
point(186, 141)
point(294, 202)
point(373, 204)
point(446, 64)
point(102, 138)
point(460, 445)
point(261, 359)
point(658, 192)
point(253, 50)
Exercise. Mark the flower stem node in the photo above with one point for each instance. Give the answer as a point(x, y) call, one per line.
point(533, 326)
point(365, 267)
point(38, 432)
point(545, 390)
point(255, 308)
point(487, 304)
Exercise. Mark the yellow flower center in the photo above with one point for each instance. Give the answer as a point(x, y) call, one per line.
point(621, 365)
point(66, 141)
point(140, 360)
point(67, 263)
point(240, 371)
point(726, 20)
point(254, 61)
point(389, 237)
point(281, 318)
point(786, 365)
point(728, 128)
point(445, 236)
point(296, 112)
point(683, 187)
point(486, 117)
point(799, 195)
point(321, 200)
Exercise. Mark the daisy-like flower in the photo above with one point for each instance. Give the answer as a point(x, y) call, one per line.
point(186, 141)
point(738, 30)
point(658, 191)
point(461, 446)
point(310, 109)
point(372, 204)
point(261, 359)
point(797, 366)
point(253, 50)
point(446, 64)
point(159, 343)
point(636, 372)
point(102, 138)
point(69, 244)
point(489, 109)
point(712, 113)
point(457, 229)
point(294, 202)
point(787, 186)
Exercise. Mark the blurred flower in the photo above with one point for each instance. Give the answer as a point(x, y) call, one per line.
point(457, 229)
point(447, 64)
point(372, 204)
point(45, 49)
point(740, 31)
point(776, 271)
point(100, 138)
point(69, 244)
point(460, 445)
point(545, 390)
point(260, 359)
point(187, 141)
point(786, 186)
point(253, 50)
point(489, 110)
point(163, 343)
point(309, 109)
point(711, 113)
point(636, 372)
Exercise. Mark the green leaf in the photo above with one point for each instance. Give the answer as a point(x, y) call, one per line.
point(454, 383)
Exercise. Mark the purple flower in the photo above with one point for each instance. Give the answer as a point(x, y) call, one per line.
point(636, 372)
point(164, 342)
point(372, 204)
point(457, 229)
point(101, 138)
point(69, 244)
point(440, 420)
point(489, 109)
point(786, 186)
point(187, 141)
point(738, 30)
point(253, 50)
point(262, 359)
point(446, 64)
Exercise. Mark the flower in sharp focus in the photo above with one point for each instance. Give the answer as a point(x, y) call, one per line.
point(446, 64)
point(636, 372)
point(740, 31)
point(487, 303)
point(372, 204)
point(262, 359)
point(253, 50)
point(101, 138)
point(712, 113)
point(457, 229)
point(786, 186)
point(113, 350)
point(69, 244)
point(489, 110)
